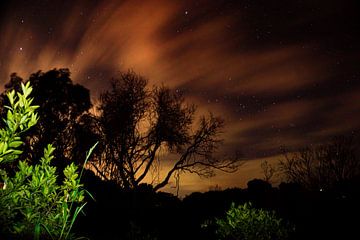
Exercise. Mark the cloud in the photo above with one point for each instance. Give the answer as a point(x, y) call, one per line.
point(275, 82)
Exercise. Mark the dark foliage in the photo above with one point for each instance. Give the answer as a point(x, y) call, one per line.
point(334, 166)
point(121, 214)
point(136, 123)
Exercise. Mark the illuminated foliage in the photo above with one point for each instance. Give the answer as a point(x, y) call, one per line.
point(20, 117)
point(32, 202)
point(248, 223)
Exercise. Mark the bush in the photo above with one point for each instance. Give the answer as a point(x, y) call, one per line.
point(248, 223)
point(32, 203)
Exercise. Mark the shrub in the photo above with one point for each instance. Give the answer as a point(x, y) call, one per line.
point(32, 202)
point(248, 223)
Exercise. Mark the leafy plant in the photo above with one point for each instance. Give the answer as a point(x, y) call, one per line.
point(32, 202)
point(248, 223)
point(20, 117)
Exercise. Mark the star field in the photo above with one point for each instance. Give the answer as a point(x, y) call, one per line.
point(281, 73)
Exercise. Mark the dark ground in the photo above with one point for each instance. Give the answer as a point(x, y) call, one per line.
point(144, 214)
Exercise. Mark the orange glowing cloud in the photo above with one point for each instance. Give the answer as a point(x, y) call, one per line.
point(269, 94)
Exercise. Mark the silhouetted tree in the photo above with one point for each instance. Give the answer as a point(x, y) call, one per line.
point(268, 170)
point(324, 167)
point(139, 126)
point(62, 105)
point(258, 186)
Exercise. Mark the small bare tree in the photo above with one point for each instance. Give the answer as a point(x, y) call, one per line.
point(138, 123)
point(268, 171)
point(325, 166)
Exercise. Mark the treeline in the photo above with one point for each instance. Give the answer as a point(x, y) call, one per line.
point(146, 214)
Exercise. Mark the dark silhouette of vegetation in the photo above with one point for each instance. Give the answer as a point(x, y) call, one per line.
point(258, 186)
point(123, 213)
point(326, 167)
point(62, 104)
point(138, 128)
point(268, 170)
point(137, 123)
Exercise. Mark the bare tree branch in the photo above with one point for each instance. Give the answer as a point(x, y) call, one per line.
point(137, 122)
point(324, 166)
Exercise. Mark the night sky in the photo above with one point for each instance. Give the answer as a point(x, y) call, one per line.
point(281, 73)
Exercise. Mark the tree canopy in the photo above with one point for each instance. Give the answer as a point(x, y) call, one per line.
point(62, 103)
point(141, 127)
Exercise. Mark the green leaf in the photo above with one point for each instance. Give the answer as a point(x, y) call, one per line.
point(17, 152)
point(5, 147)
point(10, 96)
point(15, 144)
